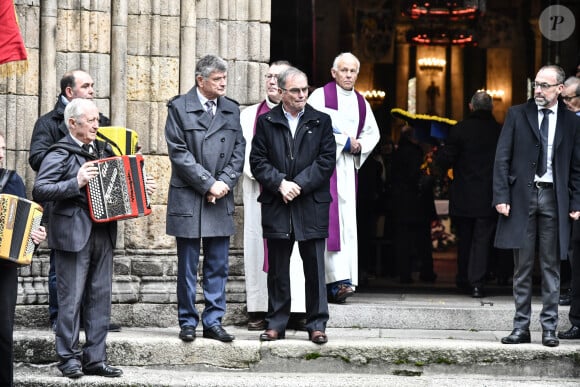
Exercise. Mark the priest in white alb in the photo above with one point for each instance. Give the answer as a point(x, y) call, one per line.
point(356, 133)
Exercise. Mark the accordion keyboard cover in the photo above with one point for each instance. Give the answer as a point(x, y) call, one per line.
point(18, 217)
point(118, 191)
point(126, 140)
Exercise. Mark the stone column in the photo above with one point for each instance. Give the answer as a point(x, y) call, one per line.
point(47, 63)
point(118, 106)
point(188, 46)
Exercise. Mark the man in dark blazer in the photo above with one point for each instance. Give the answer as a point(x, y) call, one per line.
point(83, 249)
point(536, 190)
point(206, 148)
point(470, 151)
point(293, 157)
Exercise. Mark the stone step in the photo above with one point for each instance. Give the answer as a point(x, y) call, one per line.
point(376, 356)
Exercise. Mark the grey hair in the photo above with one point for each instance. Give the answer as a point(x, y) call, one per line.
point(76, 108)
point(481, 100)
point(573, 81)
point(343, 55)
point(289, 73)
point(209, 64)
point(560, 73)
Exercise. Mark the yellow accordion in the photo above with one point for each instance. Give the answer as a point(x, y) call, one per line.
point(18, 217)
point(123, 141)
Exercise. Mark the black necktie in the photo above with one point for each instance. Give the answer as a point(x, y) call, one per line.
point(543, 157)
point(209, 108)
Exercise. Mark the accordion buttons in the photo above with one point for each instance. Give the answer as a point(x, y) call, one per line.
point(222, 155)
point(223, 139)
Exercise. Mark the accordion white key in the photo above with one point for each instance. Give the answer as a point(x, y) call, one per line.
point(18, 218)
point(118, 191)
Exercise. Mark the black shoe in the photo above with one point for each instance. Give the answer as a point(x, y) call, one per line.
point(571, 334)
point(218, 333)
point(518, 336)
point(187, 334)
point(73, 372)
point(344, 292)
point(565, 298)
point(477, 292)
point(104, 370)
point(549, 339)
point(114, 327)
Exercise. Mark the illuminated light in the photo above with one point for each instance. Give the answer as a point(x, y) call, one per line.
point(374, 95)
point(431, 64)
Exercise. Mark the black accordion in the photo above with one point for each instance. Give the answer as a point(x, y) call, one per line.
point(118, 191)
point(18, 218)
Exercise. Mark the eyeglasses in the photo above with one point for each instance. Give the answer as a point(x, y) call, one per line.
point(270, 76)
point(569, 98)
point(296, 90)
point(543, 85)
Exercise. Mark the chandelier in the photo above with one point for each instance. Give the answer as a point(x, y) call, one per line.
point(448, 9)
point(431, 64)
point(440, 37)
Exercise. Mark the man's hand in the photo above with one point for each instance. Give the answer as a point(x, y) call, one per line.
point(289, 190)
point(219, 189)
point(150, 185)
point(38, 236)
point(86, 172)
point(575, 215)
point(503, 209)
point(355, 146)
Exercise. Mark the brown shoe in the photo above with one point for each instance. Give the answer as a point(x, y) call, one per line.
point(257, 325)
point(272, 335)
point(318, 337)
point(343, 293)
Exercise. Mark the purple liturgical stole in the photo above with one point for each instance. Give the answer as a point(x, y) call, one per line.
point(331, 102)
point(262, 108)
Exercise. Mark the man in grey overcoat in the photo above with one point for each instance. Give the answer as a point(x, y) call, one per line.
point(536, 191)
point(206, 148)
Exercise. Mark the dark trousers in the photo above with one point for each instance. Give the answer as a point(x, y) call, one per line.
point(215, 275)
point(574, 313)
point(279, 300)
point(84, 278)
point(52, 292)
point(543, 225)
point(474, 248)
point(414, 249)
point(8, 292)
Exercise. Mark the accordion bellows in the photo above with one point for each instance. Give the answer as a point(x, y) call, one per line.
point(18, 217)
point(118, 192)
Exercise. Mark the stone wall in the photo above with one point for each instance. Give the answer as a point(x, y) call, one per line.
point(140, 53)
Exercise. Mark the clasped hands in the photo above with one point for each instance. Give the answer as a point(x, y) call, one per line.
point(218, 190)
point(289, 190)
point(355, 146)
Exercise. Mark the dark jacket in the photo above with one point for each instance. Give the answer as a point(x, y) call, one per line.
point(202, 151)
point(515, 166)
point(412, 190)
point(57, 182)
point(48, 130)
point(470, 151)
point(308, 159)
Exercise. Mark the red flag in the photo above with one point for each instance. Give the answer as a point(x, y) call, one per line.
point(12, 51)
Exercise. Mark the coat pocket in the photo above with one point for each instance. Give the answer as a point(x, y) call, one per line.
point(181, 201)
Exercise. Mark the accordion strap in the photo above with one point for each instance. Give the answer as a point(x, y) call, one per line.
point(109, 141)
point(5, 175)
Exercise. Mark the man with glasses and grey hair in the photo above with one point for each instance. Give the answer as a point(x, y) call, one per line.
point(206, 148)
point(255, 252)
point(292, 157)
point(536, 190)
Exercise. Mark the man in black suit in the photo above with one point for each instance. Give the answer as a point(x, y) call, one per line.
point(83, 249)
point(470, 151)
point(536, 190)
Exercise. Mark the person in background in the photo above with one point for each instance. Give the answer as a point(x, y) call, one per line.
point(48, 130)
point(571, 98)
point(413, 210)
point(292, 157)
point(255, 253)
point(356, 133)
point(536, 190)
point(9, 280)
point(470, 151)
point(206, 148)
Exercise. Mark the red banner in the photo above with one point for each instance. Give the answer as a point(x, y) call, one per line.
point(11, 44)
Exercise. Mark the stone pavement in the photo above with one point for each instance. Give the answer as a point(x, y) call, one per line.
point(395, 338)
